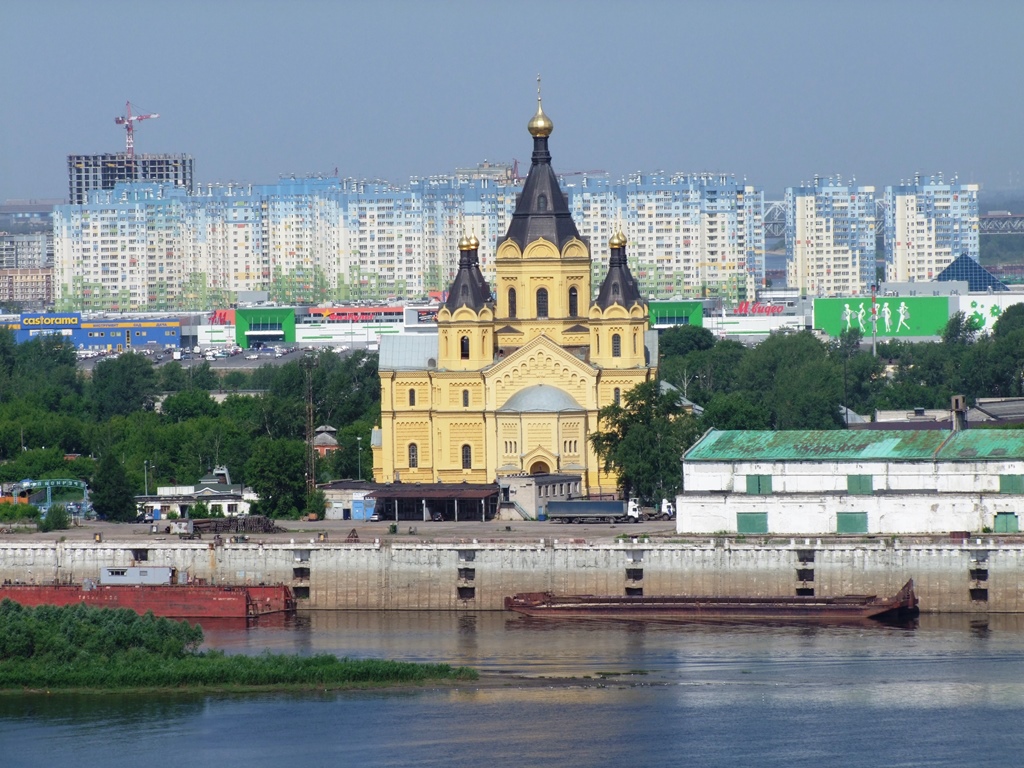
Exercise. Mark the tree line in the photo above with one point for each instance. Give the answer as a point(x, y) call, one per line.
point(795, 381)
point(107, 428)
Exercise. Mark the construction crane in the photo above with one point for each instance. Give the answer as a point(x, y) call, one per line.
point(580, 173)
point(128, 120)
point(517, 178)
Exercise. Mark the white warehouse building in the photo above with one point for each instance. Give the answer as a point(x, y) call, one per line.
point(852, 482)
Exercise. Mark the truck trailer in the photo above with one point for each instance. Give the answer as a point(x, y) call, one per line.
point(586, 511)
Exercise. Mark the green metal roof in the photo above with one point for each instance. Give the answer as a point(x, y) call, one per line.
point(990, 444)
point(818, 445)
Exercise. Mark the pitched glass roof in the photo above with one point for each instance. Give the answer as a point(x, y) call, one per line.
point(978, 279)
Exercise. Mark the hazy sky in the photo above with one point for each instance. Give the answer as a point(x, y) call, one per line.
point(774, 91)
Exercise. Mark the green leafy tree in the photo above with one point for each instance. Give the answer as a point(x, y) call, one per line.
point(643, 440)
point(110, 491)
point(190, 404)
point(122, 385)
point(202, 376)
point(316, 503)
point(276, 471)
point(1012, 319)
point(959, 330)
point(14, 513)
point(731, 410)
point(793, 376)
point(200, 511)
point(55, 519)
point(684, 339)
point(172, 377)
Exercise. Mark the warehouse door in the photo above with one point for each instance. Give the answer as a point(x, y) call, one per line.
point(1006, 522)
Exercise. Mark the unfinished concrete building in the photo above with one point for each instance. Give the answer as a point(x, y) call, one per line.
point(90, 172)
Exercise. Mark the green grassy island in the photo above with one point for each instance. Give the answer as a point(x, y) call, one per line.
point(98, 649)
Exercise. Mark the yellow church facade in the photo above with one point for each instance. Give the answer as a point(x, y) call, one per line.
point(515, 377)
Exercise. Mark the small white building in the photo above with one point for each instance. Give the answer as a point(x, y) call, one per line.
point(215, 490)
point(852, 482)
point(525, 497)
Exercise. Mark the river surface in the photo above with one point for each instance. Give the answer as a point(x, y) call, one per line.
point(946, 691)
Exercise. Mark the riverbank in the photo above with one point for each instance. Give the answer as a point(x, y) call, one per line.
point(81, 648)
point(340, 565)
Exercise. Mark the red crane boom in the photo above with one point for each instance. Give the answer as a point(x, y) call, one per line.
point(128, 120)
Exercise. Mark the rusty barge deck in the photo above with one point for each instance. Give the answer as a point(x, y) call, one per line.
point(680, 608)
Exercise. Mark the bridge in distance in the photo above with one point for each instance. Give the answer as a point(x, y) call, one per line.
point(992, 224)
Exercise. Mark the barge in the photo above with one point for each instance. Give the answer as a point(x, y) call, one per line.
point(904, 604)
point(158, 590)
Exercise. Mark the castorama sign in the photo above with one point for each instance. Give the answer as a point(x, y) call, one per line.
point(34, 323)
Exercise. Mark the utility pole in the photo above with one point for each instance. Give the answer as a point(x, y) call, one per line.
point(309, 363)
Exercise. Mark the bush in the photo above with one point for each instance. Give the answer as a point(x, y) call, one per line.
point(13, 513)
point(55, 519)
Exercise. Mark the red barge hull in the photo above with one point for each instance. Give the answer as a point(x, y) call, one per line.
point(173, 601)
point(668, 608)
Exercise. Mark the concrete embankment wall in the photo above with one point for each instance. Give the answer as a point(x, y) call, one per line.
point(980, 575)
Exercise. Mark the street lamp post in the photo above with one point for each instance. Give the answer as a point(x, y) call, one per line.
point(145, 475)
point(359, 458)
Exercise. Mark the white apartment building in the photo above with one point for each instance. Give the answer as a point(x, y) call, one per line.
point(830, 238)
point(928, 224)
point(152, 246)
point(693, 235)
point(121, 251)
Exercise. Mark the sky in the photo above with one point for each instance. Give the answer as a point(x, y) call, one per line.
point(773, 92)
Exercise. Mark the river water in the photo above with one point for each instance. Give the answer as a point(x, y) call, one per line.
point(946, 691)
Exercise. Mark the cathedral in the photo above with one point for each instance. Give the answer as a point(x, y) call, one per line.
point(513, 381)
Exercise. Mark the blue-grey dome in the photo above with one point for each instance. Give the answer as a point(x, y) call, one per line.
point(540, 398)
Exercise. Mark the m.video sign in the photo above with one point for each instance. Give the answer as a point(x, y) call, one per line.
point(889, 316)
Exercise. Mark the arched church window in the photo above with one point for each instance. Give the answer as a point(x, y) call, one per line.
point(615, 289)
point(574, 302)
point(542, 302)
point(414, 456)
point(467, 457)
point(616, 345)
point(465, 398)
point(542, 202)
point(464, 293)
point(511, 302)
point(464, 347)
point(412, 397)
point(617, 396)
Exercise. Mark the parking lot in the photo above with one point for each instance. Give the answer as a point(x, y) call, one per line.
point(221, 360)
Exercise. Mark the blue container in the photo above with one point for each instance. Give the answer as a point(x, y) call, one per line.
point(542, 516)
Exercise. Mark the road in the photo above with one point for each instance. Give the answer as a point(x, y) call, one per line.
point(409, 531)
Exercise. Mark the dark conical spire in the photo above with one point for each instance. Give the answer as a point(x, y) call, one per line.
point(541, 210)
point(619, 286)
point(469, 289)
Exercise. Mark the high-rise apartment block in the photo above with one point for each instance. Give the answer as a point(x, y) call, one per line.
point(830, 238)
point(87, 173)
point(928, 224)
point(315, 240)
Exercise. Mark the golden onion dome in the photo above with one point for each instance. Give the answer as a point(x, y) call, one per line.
point(618, 240)
point(473, 242)
point(465, 244)
point(540, 125)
